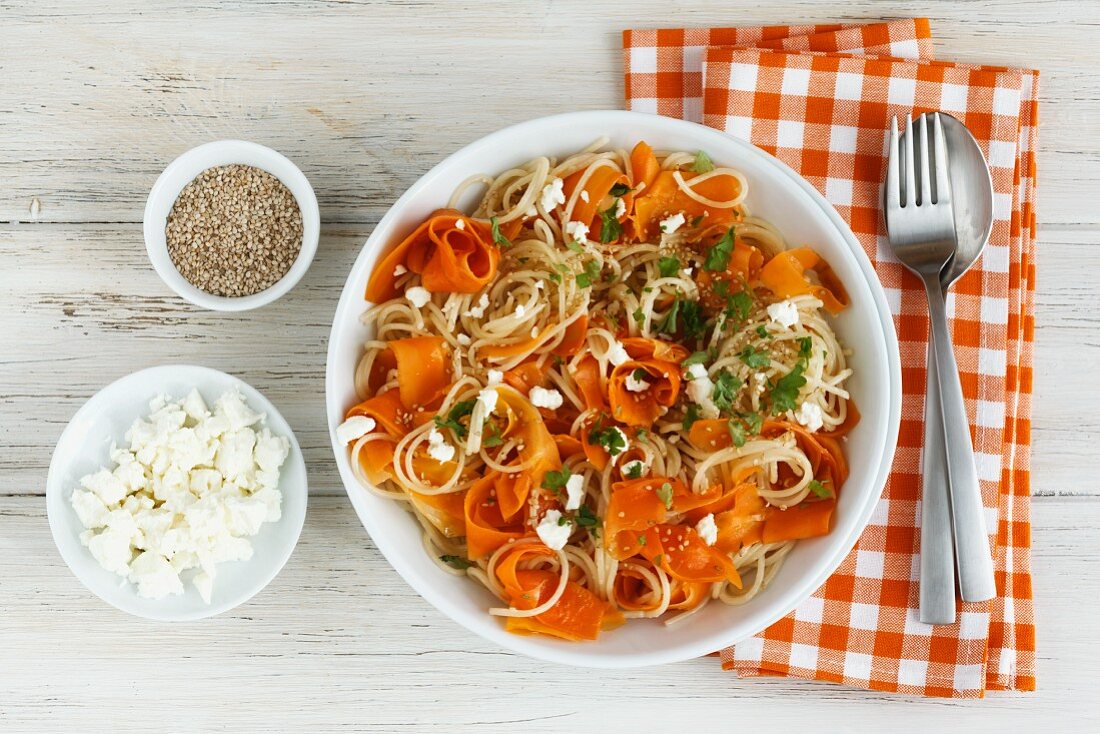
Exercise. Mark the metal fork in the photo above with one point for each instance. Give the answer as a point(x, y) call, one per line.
point(921, 227)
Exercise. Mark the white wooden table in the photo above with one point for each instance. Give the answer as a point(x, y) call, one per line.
point(365, 96)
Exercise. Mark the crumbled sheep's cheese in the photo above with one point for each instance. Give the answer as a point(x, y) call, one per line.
point(616, 352)
point(438, 448)
point(520, 311)
point(543, 398)
point(810, 415)
point(494, 377)
point(584, 196)
point(625, 441)
point(531, 212)
point(574, 492)
point(673, 223)
point(460, 224)
point(186, 493)
point(488, 397)
point(620, 208)
point(418, 296)
point(463, 340)
point(552, 531)
point(479, 310)
point(552, 194)
point(399, 271)
point(635, 384)
point(707, 530)
point(578, 231)
point(784, 313)
point(700, 389)
point(355, 427)
point(632, 467)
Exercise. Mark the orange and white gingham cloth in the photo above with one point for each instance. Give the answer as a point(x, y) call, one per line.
point(820, 98)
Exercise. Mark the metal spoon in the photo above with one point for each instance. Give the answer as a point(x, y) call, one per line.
point(972, 194)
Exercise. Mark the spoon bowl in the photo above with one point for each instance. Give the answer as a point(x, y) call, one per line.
point(972, 188)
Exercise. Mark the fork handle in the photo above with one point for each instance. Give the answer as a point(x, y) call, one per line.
point(937, 550)
point(972, 555)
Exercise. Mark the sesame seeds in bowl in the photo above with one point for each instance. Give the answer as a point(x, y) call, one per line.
point(231, 225)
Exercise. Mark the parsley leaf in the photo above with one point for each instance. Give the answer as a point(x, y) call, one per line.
point(591, 273)
point(691, 415)
point(574, 246)
point(737, 433)
point(640, 374)
point(499, 239)
point(664, 493)
point(459, 411)
point(456, 562)
point(755, 358)
point(819, 489)
point(668, 266)
point(696, 358)
point(725, 390)
point(611, 439)
point(554, 277)
point(718, 256)
point(586, 518)
point(492, 438)
point(668, 323)
point(633, 470)
point(610, 228)
point(620, 189)
point(738, 307)
point(785, 393)
point(762, 332)
point(703, 163)
point(555, 480)
point(639, 317)
point(754, 422)
point(695, 323)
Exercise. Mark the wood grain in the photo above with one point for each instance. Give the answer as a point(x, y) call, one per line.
point(96, 98)
point(338, 641)
point(354, 91)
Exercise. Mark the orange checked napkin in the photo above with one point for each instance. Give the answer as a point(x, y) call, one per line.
point(820, 98)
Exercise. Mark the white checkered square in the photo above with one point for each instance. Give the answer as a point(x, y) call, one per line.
point(912, 672)
point(739, 126)
point(839, 191)
point(916, 628)
point(743, 77)
point(842, 138)
point(969, 677)
point(796, 82)
point(1002, 154)
point(995, 310)
point(790, 134)
point(869, 564)
point(803, 656)
point(864, 616)
point(953, 97)
point(751, 649)
point(1006, 101)
point(857, 666)
point(988, 465)
point(1002, 206)
point(990, 414)
point(647, 105)
point(973, 625)
point(901, 91)
point(907, 49)
point(991, 362)
point(849, 86)
point(811, 610)
point(643, 60)
point(995, 259)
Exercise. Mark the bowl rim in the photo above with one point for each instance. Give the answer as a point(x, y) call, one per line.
point(782, 605)
point(57, 495)
point(181, 171)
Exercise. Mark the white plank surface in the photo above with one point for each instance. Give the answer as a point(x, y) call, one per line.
point(96, 98)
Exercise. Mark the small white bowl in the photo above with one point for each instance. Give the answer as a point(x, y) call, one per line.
point(84, 447)
point(776, 193)
point(182, 171)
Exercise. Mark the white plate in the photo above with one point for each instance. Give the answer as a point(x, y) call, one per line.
point(775, 193)
point(84, 447)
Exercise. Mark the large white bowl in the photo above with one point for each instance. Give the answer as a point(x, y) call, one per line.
point(84, 447)
point(777, 194)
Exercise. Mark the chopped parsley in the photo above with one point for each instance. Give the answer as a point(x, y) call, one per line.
point(725, 390)
point(738, 306)
point(703, 163)
point(457, 562)
point(591, 274)
point(691, 415)
point(755, 358)
point(499, 239)
point(762, 332)
point(696, 358)
point(574, 246)
point(819, 489)
point(634, 471)
point(668, 266)
point(493, 438)
point(668, 323)
point(664, 493)
point(639, 374)
point(718, 256)
point(610, 228)
point(586, 518)
point(620, 189)
point(554, 277)
point(785, 392)
point(639, 317)
point(555, 480)
point(754, 422)
point(685, 315)
point(737, 432)
point(460, 410)
point(611, 439)
point(641, 540)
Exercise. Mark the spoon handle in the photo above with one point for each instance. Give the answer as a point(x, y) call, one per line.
point(937, 550)
point(972, 554)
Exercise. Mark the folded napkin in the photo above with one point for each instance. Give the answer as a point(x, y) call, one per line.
point(820, 98)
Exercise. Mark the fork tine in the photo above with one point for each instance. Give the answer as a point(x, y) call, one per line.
point(909, 194)
point(943, 181)
point(893, 180)
point(925, 169)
